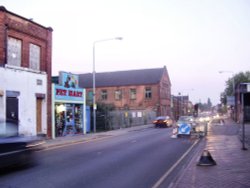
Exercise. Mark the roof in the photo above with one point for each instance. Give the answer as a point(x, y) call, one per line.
point(122, 78)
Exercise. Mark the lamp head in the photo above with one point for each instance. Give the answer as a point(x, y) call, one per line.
point(118, 38)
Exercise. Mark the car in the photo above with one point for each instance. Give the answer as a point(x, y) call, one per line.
point(186, 119)
point(163, 121)
point(18, 150)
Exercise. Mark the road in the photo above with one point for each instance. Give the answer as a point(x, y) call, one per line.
point(137, 159)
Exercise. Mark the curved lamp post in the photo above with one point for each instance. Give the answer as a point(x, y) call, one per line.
point(94, 80)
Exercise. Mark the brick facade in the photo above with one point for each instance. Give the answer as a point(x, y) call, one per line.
point(28, 32)
point(160, 100)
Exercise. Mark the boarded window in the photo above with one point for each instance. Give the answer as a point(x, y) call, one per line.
point(34, 57)
point(14, 52)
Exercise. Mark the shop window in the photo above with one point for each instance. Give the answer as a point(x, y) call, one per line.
point(118, 95)
point(34, 57)
point(133, 94)
point(14, 52)
point(148, 93)
point(90, 96)
point(104, 95)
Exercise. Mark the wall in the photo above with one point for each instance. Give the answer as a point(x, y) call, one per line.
point(26, 83)
point(139, 103)
point(28, 32)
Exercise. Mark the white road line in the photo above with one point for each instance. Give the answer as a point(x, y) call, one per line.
point(160, 181)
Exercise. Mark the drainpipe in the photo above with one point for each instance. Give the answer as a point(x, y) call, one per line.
point(5, 45)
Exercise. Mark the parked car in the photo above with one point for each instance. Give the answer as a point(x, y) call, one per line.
point(163, 121)
point(16, 150)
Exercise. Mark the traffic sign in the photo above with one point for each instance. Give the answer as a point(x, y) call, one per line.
point(184, 128)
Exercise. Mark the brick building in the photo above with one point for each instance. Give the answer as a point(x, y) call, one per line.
point(181, 106)
point(145, 89)
point(25, 68)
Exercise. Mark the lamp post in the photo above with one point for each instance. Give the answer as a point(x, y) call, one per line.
point(231, 72)
point(94, 79)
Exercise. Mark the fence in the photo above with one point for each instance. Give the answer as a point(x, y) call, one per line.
point(123, 118)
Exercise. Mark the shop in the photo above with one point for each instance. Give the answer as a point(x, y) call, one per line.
point(68, 106)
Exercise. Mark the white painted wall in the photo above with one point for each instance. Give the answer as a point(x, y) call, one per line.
point(24, 82)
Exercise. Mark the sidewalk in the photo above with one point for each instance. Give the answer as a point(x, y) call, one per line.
point(71, 139)
point(233, 163)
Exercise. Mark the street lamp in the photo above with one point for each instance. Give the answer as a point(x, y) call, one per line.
point(231, 72)
point(94, 85)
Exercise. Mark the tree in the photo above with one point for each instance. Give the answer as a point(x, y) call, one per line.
point(233, 81)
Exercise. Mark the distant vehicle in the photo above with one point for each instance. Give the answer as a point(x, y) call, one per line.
point(163, 121)
point(18, 150)
point(186, 119)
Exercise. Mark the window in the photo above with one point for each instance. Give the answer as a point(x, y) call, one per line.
point(118, 95)
point(90, 95)
point(148, 93)
point(104, 95)
point(34, 56)
point(14, 52)
point(133, 94)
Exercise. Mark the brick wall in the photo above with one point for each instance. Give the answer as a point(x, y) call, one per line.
point(28, 32)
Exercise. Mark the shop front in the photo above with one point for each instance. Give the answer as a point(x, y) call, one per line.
point(68, 107)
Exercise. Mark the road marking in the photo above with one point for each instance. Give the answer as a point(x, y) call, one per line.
point(160, 181)
point(74, 143)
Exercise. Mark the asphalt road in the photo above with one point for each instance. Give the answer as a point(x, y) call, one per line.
point(135, 160)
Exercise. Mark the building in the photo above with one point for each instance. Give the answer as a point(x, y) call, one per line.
point(25, 68)
point(181, 106)
point(69, 114)
point(131, 91)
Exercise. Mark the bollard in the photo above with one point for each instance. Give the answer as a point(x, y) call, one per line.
point(206, 159)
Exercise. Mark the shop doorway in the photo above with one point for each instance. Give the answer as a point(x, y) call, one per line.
point(69, 119)
point(12, 115)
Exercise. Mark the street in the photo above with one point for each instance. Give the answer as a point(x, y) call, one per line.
point(136, 159)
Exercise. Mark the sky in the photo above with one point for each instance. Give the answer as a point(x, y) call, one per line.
point(194, 39)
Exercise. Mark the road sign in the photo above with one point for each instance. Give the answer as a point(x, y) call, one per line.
point(184, 128)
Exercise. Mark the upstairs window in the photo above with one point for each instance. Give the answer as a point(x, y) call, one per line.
point(148, 93)
point(118, 95)
point(14, 52)
point(133, 94)
point(104, 95)
point(34, 55)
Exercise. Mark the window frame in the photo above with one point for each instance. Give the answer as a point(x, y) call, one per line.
point(132, 94)
point(11, 53)
point(148, 93)
point(104, 94)
point(118, 94)
point(34, 60)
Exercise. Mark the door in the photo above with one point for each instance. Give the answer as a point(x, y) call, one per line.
point(12, 115)
point(69, 121)
point(38, 115)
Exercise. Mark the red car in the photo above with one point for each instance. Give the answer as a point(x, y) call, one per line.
point(163, 121)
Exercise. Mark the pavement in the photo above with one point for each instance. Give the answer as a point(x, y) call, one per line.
point(232, 169)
